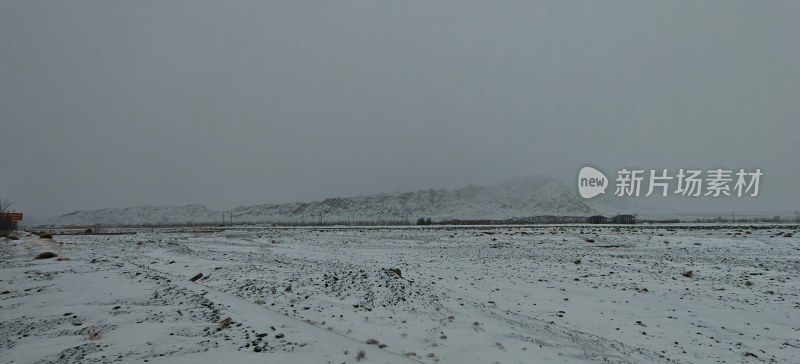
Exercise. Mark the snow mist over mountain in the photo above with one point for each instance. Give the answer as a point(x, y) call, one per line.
point(517, 197)
point(139, 215)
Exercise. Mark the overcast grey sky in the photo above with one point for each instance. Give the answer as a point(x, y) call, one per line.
point(118, 103)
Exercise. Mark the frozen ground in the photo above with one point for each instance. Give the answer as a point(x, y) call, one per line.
point(450, 295)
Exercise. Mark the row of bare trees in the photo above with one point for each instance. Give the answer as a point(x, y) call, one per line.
point(6, 225)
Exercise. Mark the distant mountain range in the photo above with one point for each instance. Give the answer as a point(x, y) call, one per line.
point(517, 197)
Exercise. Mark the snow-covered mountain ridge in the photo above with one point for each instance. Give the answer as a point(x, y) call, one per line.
point(517, 197)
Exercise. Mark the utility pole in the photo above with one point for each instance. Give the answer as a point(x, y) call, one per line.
point(733, 219)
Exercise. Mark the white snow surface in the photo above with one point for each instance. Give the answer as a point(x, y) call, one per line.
point(522, 294)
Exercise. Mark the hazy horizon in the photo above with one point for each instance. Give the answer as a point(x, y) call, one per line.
point(239, 103)
point(650, 207)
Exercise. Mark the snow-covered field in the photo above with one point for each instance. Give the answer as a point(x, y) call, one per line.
point(536, 294)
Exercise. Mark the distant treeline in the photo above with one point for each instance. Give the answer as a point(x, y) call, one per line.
point(743, 219)
point(96, 228)
point(519, 221)
point(531, 220)
point(379, 222)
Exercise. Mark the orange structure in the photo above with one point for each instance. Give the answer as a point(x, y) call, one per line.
point(13, 216)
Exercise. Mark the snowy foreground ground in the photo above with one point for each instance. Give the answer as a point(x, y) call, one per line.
point(578, 294)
